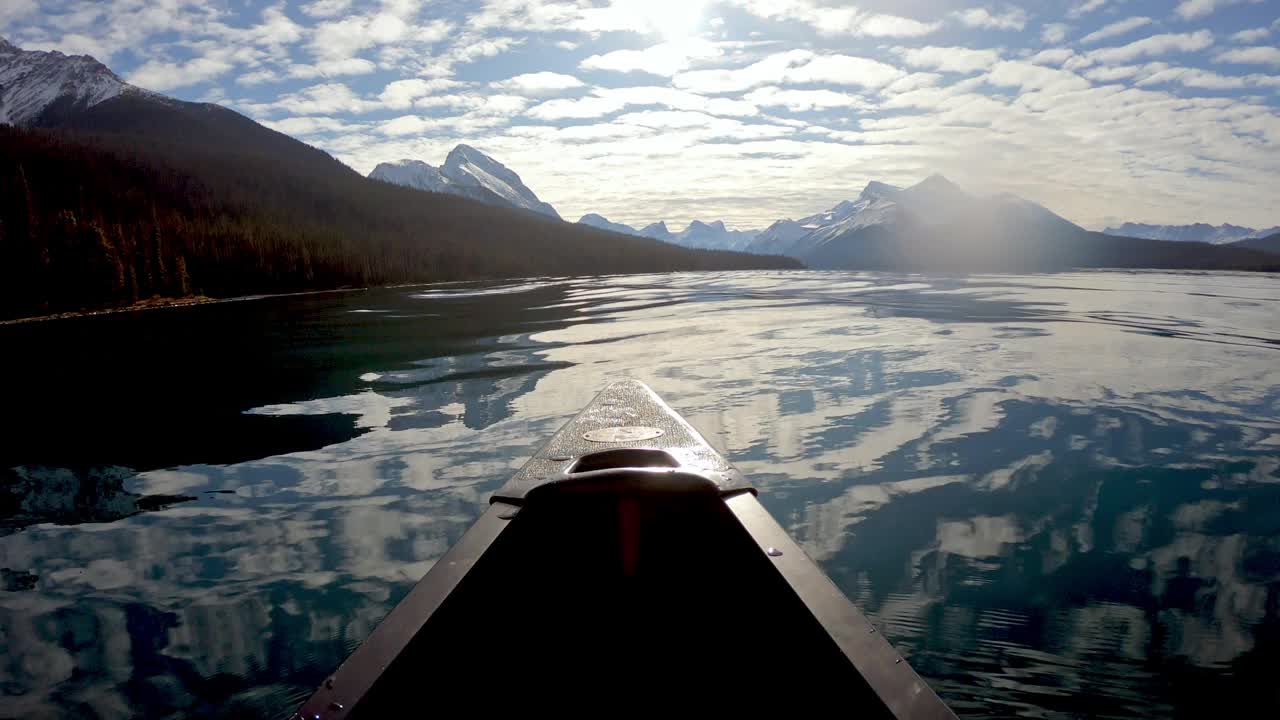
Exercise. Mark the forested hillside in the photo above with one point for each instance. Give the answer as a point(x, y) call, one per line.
point(138, 198)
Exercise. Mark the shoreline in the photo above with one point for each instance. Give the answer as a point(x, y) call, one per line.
point(166, 303)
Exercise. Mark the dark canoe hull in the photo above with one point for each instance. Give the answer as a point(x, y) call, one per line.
point(626, 563)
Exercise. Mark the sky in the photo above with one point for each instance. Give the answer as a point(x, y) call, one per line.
point(745, 111)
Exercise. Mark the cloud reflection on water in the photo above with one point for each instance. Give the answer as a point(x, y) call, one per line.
point(1051, 491)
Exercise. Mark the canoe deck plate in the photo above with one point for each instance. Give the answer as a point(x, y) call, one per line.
point(627, 414)
point(626, 433)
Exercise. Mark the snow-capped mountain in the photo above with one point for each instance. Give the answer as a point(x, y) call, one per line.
point(1199, 232)
point(467, 172)
point(35, 84)
point(875, 205)
point(419, 175)
point(700, 235)
point(928, 223)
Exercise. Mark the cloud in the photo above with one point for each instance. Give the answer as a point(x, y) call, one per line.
point(894, 26)
point(1158, 73)
point(1054, 33)
point(325, 8)
point(276, 29)
point(74, 44)
point(914, 81)
point(332, 68)
point(1084, 8)
point(1013, 18)
point(794, 66)
point(323, 99)
point(258, 77)
point(339, 39)
point(606, 101)
point(1052, 56)
point(567, 45)
point(1261, 55)
point(1251, 36)
point(1028, 76)
point(13, 10)
point(162, 76)
point(703, 126)
point(1154, 45)
point(1120, 27)
point(1193, 9)
point(590, 106)
point(665, 59)
point(539, 83)
point(804, 100)
point(531, 16)
point(839, 20)
point(311, 125)
point(401, 94)
point(948, 59)
point(679, 100)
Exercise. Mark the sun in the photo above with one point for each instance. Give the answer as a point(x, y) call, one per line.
point(673, 19)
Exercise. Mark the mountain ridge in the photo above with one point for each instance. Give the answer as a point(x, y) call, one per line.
point(1224, 234)
point(697, 234)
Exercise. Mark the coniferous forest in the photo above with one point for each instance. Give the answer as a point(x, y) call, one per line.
point(197, 200)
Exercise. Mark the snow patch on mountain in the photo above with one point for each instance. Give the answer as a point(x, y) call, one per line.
point(32, 80)
point(411, 173)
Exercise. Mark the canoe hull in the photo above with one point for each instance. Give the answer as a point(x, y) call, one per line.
point(619, 565)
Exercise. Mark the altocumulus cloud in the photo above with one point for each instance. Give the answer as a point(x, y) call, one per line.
point(742, 110)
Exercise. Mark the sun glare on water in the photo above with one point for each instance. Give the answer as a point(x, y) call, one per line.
point(673, 19)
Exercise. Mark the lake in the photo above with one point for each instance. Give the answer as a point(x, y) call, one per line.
point(1057, 495)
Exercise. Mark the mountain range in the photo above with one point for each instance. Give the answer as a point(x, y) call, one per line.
point(110, 194)
point(173, 198)
point(1199, 232)
point(698, 234)
point(933, 225)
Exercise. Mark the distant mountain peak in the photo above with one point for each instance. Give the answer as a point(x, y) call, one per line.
point(468, 172)
point(599, 221)
point(937, 181)
point(875, 189)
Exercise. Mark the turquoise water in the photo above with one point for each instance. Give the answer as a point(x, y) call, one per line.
point(1058, 495)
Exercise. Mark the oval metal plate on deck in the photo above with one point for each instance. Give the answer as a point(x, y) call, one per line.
point(625, 433)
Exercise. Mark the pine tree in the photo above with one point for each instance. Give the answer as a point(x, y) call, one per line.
point(181, 278)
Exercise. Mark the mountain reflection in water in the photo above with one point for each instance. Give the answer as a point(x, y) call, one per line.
point(1056, 494)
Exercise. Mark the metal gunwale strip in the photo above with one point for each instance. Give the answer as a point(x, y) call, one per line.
point(354, 678)
point(898, 686)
